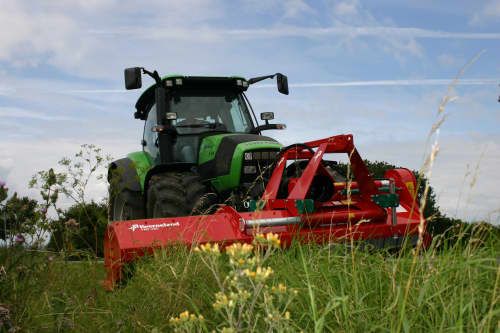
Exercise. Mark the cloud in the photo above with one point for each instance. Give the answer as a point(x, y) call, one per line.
point(45, 153)
point(346, 8)
point(62, 67)
point(297, 8)
point(450, 60)
point(14, 112)
point(488, 13)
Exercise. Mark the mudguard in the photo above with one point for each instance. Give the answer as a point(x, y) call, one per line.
point(122, 174)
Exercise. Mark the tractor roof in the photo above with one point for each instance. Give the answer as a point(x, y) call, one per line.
point(235, 83)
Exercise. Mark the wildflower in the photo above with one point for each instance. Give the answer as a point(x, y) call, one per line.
point(238, 250)
point(185, 317)
point(260, 274)
point(269, 239)
point(249, 273)
point(71, 223)
point(208, 248)
point(287, 315)
point(222, 301)
point(244, 295)
point(19, 239)
point(263, 273)
point(280, 289)
point(273, 239)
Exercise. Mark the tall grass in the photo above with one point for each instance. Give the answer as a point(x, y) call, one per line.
point(349, 289)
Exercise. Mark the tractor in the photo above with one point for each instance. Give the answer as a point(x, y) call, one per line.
point(201, 146)
point(206, 174)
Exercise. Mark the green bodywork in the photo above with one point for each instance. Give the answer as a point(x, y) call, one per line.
point(208, 149)
point(142, 163)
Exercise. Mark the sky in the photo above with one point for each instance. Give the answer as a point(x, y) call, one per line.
point(376, 69)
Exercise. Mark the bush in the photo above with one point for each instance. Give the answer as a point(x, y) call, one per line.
point(80, 229)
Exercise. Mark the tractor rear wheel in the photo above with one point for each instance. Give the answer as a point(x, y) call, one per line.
point(173, 194)
point(125, 205)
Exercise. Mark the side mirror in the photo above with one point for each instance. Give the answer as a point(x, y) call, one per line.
point(282, 82)
point(267, 116)
point(133, 78)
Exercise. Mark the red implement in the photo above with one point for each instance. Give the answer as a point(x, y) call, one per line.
point(383, 212)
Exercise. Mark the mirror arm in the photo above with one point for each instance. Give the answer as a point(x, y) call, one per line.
point(154, 75)
point(260, 78)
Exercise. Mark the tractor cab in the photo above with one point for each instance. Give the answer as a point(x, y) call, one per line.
point(196, 107)
point(201, 140)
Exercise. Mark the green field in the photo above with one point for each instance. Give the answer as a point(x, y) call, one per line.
point(453, 288)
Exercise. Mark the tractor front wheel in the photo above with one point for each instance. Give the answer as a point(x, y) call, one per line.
point(125, 205)
point(173, 194)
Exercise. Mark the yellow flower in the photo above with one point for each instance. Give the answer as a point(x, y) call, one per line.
point(184, 315)
point(239, 251)
point(287, 315)
point(184, 318)
point(208, 248)
point(269, 239)
point(249, 273)
point(273, 239)
point(262, 274)
point(221, 301)
point(281, 288)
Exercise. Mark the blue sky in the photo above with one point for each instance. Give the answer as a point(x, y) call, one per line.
point(377, 69)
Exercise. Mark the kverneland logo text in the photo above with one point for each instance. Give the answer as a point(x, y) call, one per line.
point(149, 227)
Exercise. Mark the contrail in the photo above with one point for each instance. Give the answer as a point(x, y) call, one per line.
point(353, 31)
point(294, 31)
point(374, 83)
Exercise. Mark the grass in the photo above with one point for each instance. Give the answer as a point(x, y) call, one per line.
point(455, 288)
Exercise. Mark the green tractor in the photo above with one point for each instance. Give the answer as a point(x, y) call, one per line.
point(202, 146)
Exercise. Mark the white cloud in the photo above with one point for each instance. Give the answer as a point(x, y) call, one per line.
point(296, 8)
point(450, 60)
point(13, 112)
point(490, 12)
point(346, 8)
point(66, 41)
point(450, 177)
point(45, 154)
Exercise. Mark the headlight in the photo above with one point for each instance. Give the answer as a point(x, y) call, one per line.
point(250, 169)
point(248, 156)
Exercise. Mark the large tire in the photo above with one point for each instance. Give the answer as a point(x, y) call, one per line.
point(174, 194)
point(125, 205)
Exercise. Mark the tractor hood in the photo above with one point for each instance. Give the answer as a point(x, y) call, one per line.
point(221, 156)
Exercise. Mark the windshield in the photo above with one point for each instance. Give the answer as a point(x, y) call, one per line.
point(198, 113)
